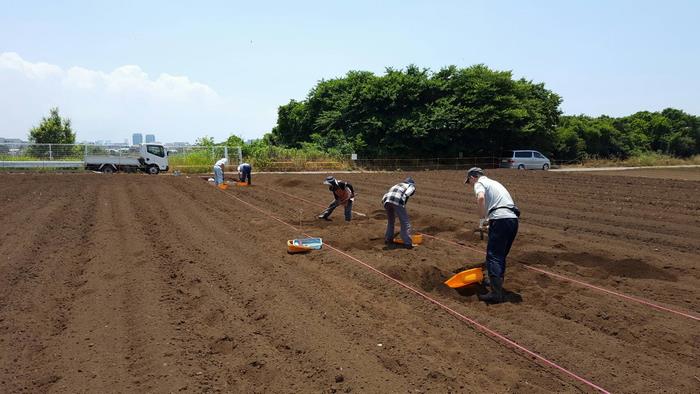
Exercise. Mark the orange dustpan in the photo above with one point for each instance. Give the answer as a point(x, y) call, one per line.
point(465, 278)
point(416, 239)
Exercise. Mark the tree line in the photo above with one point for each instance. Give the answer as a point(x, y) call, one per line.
point(472, 111)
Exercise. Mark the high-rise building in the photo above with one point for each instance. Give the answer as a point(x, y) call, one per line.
point(150, 138)
point(137, 138)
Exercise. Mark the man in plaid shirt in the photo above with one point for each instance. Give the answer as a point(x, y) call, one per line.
point(395, 205)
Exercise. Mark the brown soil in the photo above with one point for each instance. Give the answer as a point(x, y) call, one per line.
point(682, 173)
point(136, 283)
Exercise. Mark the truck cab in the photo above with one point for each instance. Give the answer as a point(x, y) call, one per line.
point(155, 158)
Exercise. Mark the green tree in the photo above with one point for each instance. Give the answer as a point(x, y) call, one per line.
point(204, 141)
point(53, 130)
point(234, 140)
point(420, 113)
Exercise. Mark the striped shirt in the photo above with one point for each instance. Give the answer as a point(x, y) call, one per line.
point(399, 194)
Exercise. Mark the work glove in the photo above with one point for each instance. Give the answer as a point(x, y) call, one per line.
point(483, 223)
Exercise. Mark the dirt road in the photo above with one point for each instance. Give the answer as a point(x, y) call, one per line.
point(133, 283)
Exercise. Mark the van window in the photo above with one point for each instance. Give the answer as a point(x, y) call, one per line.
point(538, 155)
point(523, 154)
point(155, 150)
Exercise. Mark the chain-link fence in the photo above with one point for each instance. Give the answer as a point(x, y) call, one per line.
point(200, 159)
point(438, 163)
point(72, 156)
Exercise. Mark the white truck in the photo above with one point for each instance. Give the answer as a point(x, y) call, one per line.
point(150, 158)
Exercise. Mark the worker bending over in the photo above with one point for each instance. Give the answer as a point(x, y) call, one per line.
point(219, 171)
point(394, 202)
point(343, 194)
point(499, 213)
point(244, 171)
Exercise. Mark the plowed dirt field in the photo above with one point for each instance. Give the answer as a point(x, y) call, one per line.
point(136, 283)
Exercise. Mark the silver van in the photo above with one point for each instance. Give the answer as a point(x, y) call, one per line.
point(524, 160)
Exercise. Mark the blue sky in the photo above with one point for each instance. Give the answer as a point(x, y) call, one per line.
point(185, 69)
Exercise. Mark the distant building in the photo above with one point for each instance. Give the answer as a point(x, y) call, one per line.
point(137, 138)
point(150, 138)
point(12, 141)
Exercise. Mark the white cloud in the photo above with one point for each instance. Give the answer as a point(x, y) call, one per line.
point(123, 80)
point(12, 61)
point(111, 105)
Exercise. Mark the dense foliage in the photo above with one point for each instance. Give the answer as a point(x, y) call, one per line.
point(475, 110)
point(671, 132)
point(416, 112)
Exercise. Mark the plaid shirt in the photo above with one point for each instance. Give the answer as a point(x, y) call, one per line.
point(399, 194)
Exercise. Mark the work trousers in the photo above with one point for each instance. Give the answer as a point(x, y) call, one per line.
point(218, 175)
point(391, 212)
point(245, 176)
point(502, 232)
point(334, 204)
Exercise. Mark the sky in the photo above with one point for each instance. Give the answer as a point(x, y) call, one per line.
point(183, 69)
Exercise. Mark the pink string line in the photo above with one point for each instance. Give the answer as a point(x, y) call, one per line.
point(451, 311)
point(554, 275)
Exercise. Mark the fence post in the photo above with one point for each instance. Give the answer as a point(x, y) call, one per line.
point(85, 155)
point(50, 153)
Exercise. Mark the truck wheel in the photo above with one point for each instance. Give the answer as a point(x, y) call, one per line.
point(108, 170)
point(545, 167)
point(153, 170)
point(521, 167)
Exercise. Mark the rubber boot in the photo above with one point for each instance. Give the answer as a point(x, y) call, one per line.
point(495, 296)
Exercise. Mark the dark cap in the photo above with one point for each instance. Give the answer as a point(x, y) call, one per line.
point(474, 171)
point(410, 180)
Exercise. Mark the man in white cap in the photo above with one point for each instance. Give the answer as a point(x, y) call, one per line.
point(498, 212)
point(394, 202)
point(219, 171)
point(343, 194)
point(244, 171)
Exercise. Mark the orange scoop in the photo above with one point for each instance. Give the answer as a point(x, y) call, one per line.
point(465, 278)
point(223, 186)
point(416, 239)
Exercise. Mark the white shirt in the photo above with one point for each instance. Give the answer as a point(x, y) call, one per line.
point(223, 161)
point(496, 196)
